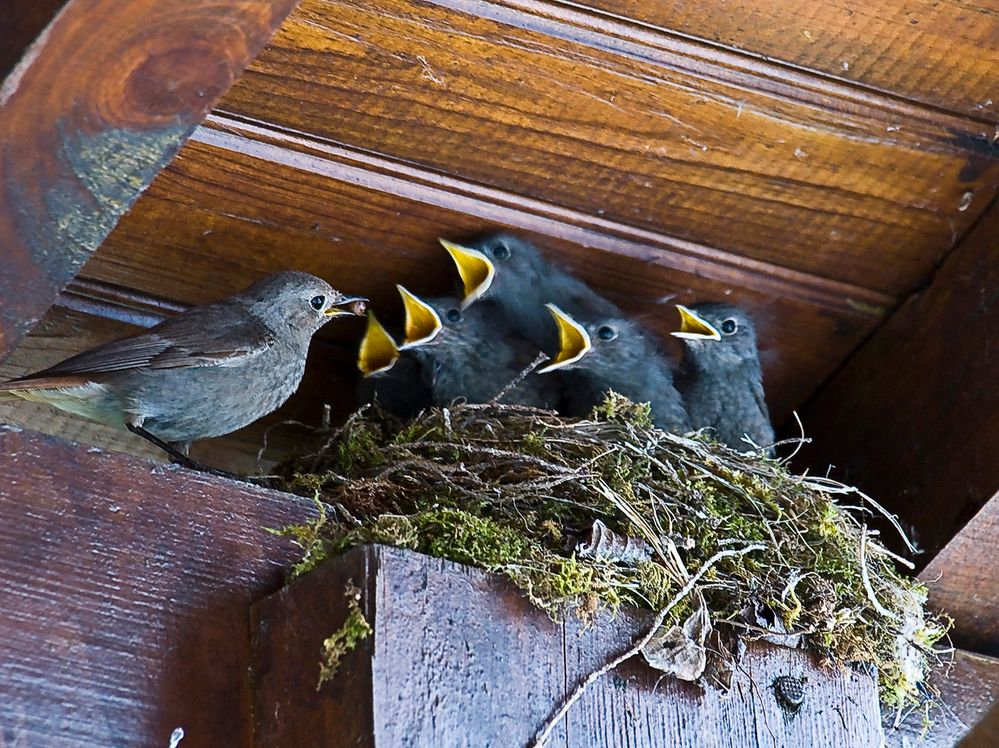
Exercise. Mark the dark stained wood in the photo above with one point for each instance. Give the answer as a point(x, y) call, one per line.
point(913, 418)
point(986, 732)
point(250, 207)
point(459, 658)
point(942, 52)
point(968, 691)
point(88, 119)
point(20, 25)
point(614, 122)
point(124, 595)
point(964, 581)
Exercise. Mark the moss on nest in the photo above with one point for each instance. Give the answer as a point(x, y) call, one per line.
point(517, 491)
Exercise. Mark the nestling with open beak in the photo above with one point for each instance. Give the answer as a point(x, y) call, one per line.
point(204, 373)
point(510, 274)
point(393, 376)
point(614, 354)
point(470, 354)
point(720, 377)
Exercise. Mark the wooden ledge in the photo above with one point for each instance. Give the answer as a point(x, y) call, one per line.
point(458, 657)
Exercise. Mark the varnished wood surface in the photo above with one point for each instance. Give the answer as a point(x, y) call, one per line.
point(248, 210)
point(913, 418)
point(459, 658)
point(88, 119)
point(124, 596)
point(964, 581)
point(944, 53)
point(612, 122)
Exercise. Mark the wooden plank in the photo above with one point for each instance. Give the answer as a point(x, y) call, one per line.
point(967, 691)
point(913, 417)
point(964, 581)
point(459, 658)
point(944, 54)
point(124, 592)
point(88, 119)
point(619, 122)
point(327, 214)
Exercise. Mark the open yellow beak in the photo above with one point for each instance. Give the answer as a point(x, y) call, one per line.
point(378, 351)
point(694, 327)
point(422, 322)
point(350, 305)
point(573, 340)
point(476, 270)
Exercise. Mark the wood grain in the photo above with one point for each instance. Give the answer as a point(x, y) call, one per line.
point(913, 417)
point(249, 210)
point(88, 119)
point(616, 123)
point(459, 658)
point(964, 581)
point(942, 53)
point(124, 595)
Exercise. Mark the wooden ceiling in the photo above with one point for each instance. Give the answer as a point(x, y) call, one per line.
point(812, 161)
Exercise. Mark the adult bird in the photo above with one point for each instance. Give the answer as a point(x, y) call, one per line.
point(614, 353)
point(203, 373)
point(720, 377)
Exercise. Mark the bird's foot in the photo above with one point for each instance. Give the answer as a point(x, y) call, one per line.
point(179, 458)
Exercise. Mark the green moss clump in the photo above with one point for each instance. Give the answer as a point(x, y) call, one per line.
point(515, 490)
point(355, 629)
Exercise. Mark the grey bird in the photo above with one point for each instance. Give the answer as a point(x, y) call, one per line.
point(510, 274)
point(720, 377)
point(472, 354)
point(204, 373)
point(614, 353)
point(393, 375)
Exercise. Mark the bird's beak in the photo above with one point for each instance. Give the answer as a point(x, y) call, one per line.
point(476, 270)
point(348, 305)
point(378, 351)
point(573, 340)
point(422, 322)
point(694, 327)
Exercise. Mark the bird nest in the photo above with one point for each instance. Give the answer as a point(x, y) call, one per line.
point(587, 515)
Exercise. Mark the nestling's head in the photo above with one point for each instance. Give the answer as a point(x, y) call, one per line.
point(717, 334)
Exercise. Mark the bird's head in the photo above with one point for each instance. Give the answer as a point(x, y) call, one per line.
point(301, 301)
point(493, 265)
point(717, 332)
point(601, 343)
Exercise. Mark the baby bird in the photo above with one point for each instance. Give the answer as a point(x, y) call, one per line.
point(720, 377)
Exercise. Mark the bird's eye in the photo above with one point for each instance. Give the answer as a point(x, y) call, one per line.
point(729, 326)
point(606, 332)
point(318, 302)
point(501, 251)
point(452, 315)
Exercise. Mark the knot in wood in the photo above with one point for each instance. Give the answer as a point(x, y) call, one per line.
point(790, 692)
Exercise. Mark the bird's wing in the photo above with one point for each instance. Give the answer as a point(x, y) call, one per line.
point(204, 336)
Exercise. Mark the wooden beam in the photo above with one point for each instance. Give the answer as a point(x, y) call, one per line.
point(890, 45)
point(913, 417)
point(964, 581)
point(635, 126)
point(95, 108)
point(124, 593)
point(459, 657)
